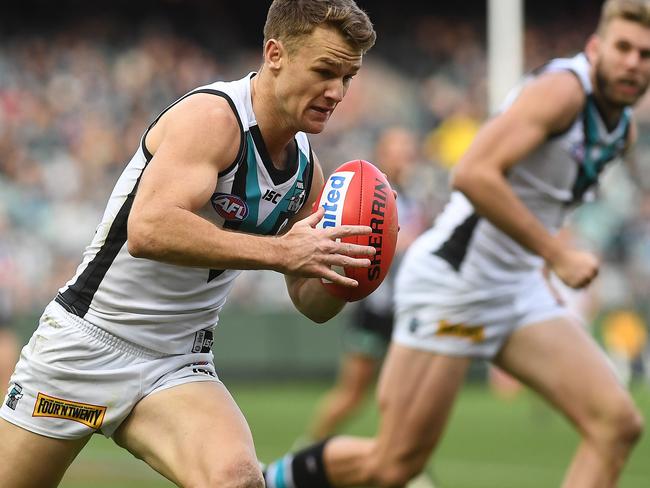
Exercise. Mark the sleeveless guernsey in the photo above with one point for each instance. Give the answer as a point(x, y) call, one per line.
point(551, 181)
point(162, 306)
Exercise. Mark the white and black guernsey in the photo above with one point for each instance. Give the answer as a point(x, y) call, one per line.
point(558, 175)
point(161, 306)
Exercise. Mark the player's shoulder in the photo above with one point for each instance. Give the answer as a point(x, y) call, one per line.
point(207, 111)
point(553, 98)
point(208, 124)
point(559, 90)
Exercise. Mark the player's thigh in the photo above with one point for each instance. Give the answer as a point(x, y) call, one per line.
point(30, 460)
point(193, 434)
point(561, 361)
point(416, 392)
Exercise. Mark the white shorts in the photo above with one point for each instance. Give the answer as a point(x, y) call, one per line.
point(74, 379)
point(438, 311)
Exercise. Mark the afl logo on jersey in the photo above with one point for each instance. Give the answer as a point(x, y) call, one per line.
point(230, 207)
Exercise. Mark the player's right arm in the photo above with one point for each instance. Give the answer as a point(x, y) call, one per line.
point(545, 107)
point(191, 144)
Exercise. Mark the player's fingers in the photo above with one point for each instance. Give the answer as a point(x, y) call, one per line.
point(579, 285)
point(589, 277)
point(355, 249)
point(349, 230)
point(582, 283)
point(334, 277)
point(313, 219)
point(346, 261)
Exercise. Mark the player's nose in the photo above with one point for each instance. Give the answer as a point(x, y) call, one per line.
point(335, 90)
point(632, 59)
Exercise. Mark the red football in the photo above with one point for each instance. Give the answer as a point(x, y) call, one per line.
point(357, 193)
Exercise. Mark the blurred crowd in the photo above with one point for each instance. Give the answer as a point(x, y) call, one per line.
point(74, 104)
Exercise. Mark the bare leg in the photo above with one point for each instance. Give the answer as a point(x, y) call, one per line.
point(559, 360)
point(354, 380)
point(416, 392)
point(33, 461)
point(195, 435)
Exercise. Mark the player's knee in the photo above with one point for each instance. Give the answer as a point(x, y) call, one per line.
point(244, 474)
point(619, 422)
point(630, 424)
point(236, 474)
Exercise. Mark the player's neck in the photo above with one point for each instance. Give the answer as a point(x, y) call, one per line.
point(610, 113)
point(275, 132)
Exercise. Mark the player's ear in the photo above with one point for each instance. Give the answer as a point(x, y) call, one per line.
point(273, 53)
point(592, 47)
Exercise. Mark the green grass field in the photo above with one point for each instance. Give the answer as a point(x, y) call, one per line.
point(490, 443)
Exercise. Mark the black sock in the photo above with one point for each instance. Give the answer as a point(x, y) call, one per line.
point(309, 469)
point(306, 467)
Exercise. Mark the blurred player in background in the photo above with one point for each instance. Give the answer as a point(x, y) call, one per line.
point(367, 334)
point(125, 348)
point(472, 287)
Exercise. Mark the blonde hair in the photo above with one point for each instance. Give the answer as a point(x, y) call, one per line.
point(632, 10)
point(291, 20)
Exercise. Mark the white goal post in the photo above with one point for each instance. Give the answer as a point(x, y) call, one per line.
point(505, 48)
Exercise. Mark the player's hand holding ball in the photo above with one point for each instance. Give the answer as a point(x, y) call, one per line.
point(357, 193)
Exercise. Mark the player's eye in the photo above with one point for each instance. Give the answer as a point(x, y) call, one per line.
point(623, 46)
point(325, 73)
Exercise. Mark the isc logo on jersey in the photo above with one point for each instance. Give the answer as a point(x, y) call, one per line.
point(230, 207)
point(333, 198)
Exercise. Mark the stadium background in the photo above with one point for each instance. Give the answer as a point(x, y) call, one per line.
point(79, 82)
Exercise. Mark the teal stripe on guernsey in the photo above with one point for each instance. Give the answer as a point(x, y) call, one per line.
point(604, 152)
point(283, 205)
point(253, 192)
point(254, 195)
point(597, 152)
point(590, 165)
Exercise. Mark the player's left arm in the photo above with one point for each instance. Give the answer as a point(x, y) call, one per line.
point(308, 294)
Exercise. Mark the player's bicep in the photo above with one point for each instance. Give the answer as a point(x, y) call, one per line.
point(198, 139)
point(546, 107)
point(503, 141)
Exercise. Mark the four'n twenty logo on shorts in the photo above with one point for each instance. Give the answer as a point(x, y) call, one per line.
point(472, 333)
point(230, 207)
point(85, 413)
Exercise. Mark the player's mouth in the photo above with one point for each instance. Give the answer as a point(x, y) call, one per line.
point(322, 112)
point(628, 86)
